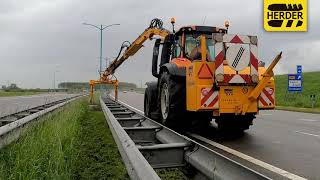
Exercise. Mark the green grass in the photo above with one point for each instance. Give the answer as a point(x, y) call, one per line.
point(97, 153)
point(45, 152)
point(3, 93)
point(171, 174)
point(311, 85)
point(73, 143)
point(297, 109)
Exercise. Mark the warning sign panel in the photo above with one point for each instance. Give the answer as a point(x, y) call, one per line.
point(285, 15)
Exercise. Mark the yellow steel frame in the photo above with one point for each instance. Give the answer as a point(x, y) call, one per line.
point(94, 82)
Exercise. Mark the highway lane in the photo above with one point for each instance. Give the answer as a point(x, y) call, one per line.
point(288, 140)
point(9, 105)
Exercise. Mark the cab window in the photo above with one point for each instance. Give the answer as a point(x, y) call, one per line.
point(193, 48)
point(177, 48)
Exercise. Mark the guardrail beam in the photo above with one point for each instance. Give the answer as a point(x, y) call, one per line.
point(129, 122)
point(142, 134)
point(164, 155)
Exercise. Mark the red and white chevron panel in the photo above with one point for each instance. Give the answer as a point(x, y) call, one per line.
point(236, 39)
point(266, 98)
point(209, 98)
point(220, 54)
point(254, 59)
point(219, 51)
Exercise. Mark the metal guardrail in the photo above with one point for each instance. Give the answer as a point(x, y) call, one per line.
point(11, 131)
point(136, 164)
point(145, 144)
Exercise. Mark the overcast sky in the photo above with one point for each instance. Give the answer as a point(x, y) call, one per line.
point(38, 37)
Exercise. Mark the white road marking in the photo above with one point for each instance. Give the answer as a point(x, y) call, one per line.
point(267, 166)
point(309, 134)
point(309, 120)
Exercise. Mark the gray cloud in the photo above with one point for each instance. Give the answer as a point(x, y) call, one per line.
point(39, 36)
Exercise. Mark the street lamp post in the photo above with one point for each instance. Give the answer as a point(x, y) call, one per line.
point(101, 28)
point(54, 79)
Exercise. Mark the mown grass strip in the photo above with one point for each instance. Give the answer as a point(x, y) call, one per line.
point(97, 155)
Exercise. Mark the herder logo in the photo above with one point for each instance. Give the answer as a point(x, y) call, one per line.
point(285, 15)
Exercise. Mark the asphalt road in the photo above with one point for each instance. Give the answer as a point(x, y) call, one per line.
point(288, 140)
point(9, 105)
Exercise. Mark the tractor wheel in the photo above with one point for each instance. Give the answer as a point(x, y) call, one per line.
point(151, 109)
point(172, 98)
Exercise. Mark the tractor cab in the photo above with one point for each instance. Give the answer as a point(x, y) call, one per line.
point(187, 42)
point(182, 47)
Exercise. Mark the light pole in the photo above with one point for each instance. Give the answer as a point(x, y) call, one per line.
point(101, 28)
point(54, 79)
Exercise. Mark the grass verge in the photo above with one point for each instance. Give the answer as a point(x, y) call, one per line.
point(311, 84)
point(97, 155)
point(45, 151)
point(4, 94)
point(297, 109)
point(72, 143)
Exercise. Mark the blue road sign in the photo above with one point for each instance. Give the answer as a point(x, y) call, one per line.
point(294, 82)
point(299, 69)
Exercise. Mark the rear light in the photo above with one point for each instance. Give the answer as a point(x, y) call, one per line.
point(270, 91)
point(204, 91)
point(254, 78)
point(219, 77)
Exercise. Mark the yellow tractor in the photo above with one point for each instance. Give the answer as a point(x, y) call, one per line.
point(203, 73)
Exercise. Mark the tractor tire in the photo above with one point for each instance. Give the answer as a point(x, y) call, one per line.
point(151, 109)
point(172, 99)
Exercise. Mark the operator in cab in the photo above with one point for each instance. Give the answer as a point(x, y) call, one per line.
point(193, 50)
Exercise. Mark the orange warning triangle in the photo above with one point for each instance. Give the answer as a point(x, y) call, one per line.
point(205, 72)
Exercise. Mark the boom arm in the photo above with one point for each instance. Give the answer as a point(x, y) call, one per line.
point(155, 28)
point(133, 48)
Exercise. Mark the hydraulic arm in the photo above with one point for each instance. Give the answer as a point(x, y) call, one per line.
point(155, 29)
point(135, 46)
